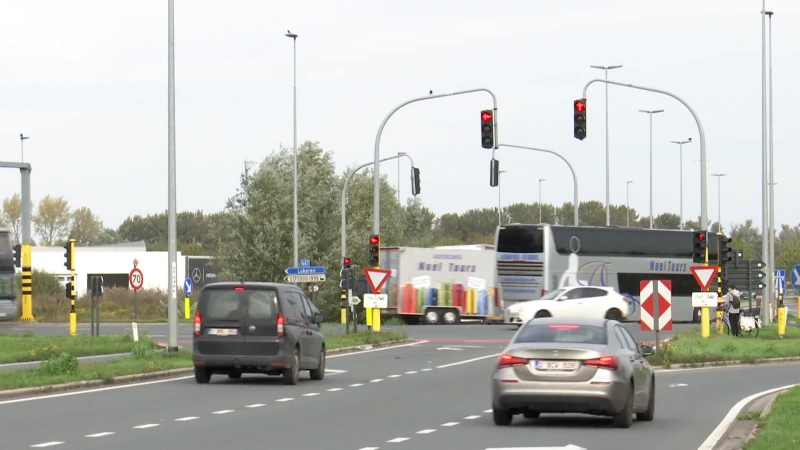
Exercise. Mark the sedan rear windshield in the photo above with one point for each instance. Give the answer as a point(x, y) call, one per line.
point(561, 333)
point(225, 304)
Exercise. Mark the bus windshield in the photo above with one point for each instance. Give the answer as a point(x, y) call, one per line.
point(7, 290)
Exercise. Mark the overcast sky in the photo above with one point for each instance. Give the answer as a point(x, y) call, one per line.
point(87, 81)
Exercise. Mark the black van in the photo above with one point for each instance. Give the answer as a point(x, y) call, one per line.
point(254, 327)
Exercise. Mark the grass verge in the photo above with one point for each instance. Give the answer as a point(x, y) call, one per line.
point(30, 347)
point(689, 348)
point(779, 429)
point(62, 367)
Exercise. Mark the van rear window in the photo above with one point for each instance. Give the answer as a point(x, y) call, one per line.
point(225, 304)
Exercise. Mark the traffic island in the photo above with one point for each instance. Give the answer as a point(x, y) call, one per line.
point(29, 347)
point(768, 422)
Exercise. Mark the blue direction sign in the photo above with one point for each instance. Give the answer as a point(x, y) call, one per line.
point(796, 276)
point(305, 263)
point(187, 286)
point(310, 270)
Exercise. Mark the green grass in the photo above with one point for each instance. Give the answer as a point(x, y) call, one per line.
point(780, 430)
point(749, 415)
point(689, 348)
point(62, 367)
point(30, 347)
point(85, 321)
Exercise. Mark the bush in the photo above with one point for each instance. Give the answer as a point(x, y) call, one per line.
point(60, 364)
point(115, 304)
point(44, 283)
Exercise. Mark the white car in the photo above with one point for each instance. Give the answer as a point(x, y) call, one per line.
point(577, 301)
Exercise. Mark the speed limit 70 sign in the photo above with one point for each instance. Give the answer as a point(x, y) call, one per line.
point(136, 279)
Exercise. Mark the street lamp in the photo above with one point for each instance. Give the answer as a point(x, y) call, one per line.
point(499, 202)
point(399, 154)
point(608, 195)
point(719, 199)
point(540, 199)
point(296, 230)
point(771, 243)
point(651, 112)
point(628, 203)
point(681, 174)
point(22, 146)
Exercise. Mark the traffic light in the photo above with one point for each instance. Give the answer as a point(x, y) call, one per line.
point(494, 173)
point(580, 119)
point(69, 255)
point(487, 128)
point(725, 250)
point(18, 255)
point(69, 290)
point(347, 262)
point(699, 247)
point(375, 250)
point(415, 189)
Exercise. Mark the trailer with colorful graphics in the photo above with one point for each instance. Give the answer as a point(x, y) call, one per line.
point(440, 285)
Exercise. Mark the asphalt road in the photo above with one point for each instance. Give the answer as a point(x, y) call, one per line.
point(422, 396)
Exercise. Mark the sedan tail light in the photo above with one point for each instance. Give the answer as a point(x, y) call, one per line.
point(604, 362)
point(507, 360)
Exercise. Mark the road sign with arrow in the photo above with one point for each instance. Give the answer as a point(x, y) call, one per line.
point(745, 274)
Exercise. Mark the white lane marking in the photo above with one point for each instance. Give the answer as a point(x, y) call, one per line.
point(398, 440)
point(186, 419)
point(716, 435)
point(471, 417)
point(411, 372)
point(426, 370)
point(450, 424)
point(223, 411)
point(105, 433)
point(311, 394)
point(467, 361)
point(47, 444)
point(255, 405)
point(394, 376)
point(487, 411)
point(428, 431)
point(287, 399)
point(145, 426)
point(678, 385)
point(357, 385)
point(450, 348)
point(334, 371)
point(376, 380)
point(169, 380)
point(369, 448)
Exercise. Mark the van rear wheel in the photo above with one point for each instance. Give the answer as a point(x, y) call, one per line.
point(319, 373)
point(202, 375)
point(291, 375)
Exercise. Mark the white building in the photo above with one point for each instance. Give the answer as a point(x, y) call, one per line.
point(113, 262)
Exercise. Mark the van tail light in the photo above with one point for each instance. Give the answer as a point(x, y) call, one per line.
point(507, 360)
point(604, 362)
point(280, 323)
point(197, 322)
point(544, 292)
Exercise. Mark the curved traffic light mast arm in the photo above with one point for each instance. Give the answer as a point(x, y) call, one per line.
point(344, 195)
point(376, 203)
point(703, 169)
point(571, 169)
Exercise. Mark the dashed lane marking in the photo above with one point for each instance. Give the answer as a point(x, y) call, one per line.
point(224, 411)
point(450, 424)
point(146, 426)
point(431, 430)
point(411, 372)
point(47, 444)
point(186, 419)
point(394, 376)
point(311, 394)
point(471, 417)
point(96, 435)
point(376, 380)
point(287, 399)
point(356, 384)
point(398, 440)
point(255, 405)
point(428, 431)
point(334, 389)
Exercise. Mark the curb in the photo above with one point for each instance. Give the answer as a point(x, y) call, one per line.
point(740, 431)
point(727, 363)
point(133, 378)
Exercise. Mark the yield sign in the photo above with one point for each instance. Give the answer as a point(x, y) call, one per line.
point(704, 275)
point(376, 278)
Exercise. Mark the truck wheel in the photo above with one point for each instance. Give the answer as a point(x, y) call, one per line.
point(432, 317)
point(451, 317)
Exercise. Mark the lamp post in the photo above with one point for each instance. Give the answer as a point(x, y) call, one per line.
point(719, 199)
point(628, 203)
point(608, 175)
point(771, 243)
point(499, 202)
point(172, 187)
point(296, 229)
point(650, 113)
point(540, 199)
point(680, 212)
point(22, 147)
point(399, 154)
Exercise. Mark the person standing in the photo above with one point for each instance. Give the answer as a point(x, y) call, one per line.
point(733, 300)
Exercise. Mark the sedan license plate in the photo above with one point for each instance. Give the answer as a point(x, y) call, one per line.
point(565, 366)
point(223, 332)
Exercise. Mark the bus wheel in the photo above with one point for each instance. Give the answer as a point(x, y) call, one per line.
point(451, 317)
point(432, 317)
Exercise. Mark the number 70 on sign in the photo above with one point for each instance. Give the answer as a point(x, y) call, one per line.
point(136, 279)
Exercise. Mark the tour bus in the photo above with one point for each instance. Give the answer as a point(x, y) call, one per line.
point(8, 290)
point(532, 260)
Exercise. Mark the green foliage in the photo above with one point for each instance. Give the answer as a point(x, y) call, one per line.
point(60, 364)
point(44, 283)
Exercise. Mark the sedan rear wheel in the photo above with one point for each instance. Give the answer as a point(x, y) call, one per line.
point(624, 419)
point(502, 417)
point(648, 415)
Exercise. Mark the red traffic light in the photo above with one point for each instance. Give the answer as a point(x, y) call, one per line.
point(580, 106)
point(701, 236)
point(486, 116)
point(347, 261)
point(374, 240)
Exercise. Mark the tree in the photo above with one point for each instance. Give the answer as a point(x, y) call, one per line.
point(667, 221)
point(789, 255)
point(11, 215)
point(52, 219)
point(87, 229)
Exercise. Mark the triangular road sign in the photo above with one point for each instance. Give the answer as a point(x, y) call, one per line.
point(376, 278)
point(704, 275)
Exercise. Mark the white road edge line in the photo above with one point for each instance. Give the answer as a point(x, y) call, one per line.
point(723, 426)
point(398, 440)
point(467, 361)
point(47, 444)
point(168, 380)
point(105, 433)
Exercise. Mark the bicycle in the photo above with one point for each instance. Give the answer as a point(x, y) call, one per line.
point(749, 321)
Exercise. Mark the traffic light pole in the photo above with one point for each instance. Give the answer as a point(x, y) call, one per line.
point(571, 169)
point(25, 238)
point(376, 201)
point(700, 130)
point(344, 195)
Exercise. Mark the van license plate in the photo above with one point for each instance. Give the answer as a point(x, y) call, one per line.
point(556, 365)
point(223, 331)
